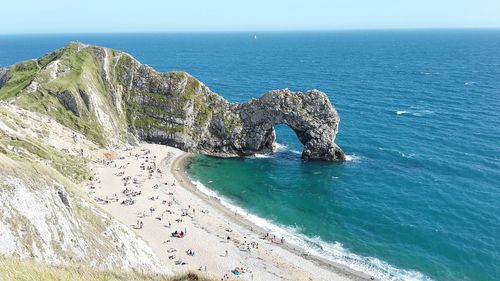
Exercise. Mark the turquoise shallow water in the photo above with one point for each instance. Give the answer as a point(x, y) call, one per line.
point(420, 117)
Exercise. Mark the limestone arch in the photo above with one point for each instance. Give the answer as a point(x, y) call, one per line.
point(310, 115)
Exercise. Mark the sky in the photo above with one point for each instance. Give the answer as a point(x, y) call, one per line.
point(90, 16)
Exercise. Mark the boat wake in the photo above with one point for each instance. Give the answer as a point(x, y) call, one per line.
point(332, 251)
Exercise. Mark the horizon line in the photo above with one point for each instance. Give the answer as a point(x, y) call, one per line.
point(252, 31)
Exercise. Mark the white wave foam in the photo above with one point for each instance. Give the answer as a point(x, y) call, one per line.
point(278, 147)
point(201, 187)
point(402, 154)
point(401, 112)
point(428, 73)
point(417, 113)
point(469, 83)
point(334, 252)
point(409, 155)
point(296, 152)
point(261, 156)
point(352, 157)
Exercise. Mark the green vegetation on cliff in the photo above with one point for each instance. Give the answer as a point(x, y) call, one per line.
point(69, 166)
point(63, 84)
point(48, 104)
point(19, 76)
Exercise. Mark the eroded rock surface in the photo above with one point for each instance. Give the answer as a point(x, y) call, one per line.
point(310, 115)
point(3, 74)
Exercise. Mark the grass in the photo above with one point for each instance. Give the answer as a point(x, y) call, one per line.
point(14, 269)
point(48, 104)
point(147, 116)
point(82, 71)
point(148, 123)
point(18, 78)
point(69, 166)
point(45, 60)
point(191, 88)
point(192, 93)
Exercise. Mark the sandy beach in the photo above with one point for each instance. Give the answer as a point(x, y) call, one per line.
point(146, 188)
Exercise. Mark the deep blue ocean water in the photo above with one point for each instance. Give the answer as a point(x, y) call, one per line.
point(420, 118)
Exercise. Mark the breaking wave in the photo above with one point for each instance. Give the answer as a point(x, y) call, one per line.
point(278, 147)
point(352, 157)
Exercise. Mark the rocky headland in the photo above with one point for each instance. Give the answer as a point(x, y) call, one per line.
point(110, 96)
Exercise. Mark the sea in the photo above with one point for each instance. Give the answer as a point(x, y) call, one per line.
point(418, 197)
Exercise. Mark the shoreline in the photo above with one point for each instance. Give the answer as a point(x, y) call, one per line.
point(146, 187)
point(178, 170)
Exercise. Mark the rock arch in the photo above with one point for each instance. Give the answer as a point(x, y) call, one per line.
point(310, 115)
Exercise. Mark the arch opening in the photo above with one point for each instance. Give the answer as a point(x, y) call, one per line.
point(286, 139)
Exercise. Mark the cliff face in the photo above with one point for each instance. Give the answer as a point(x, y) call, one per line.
point(3, 76)
point(43, 215)
point(108, 95)
point(44, 219)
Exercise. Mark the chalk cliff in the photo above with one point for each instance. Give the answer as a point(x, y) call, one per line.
point(43, 214)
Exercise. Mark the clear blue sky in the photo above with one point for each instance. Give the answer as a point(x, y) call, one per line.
point(67, 16)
